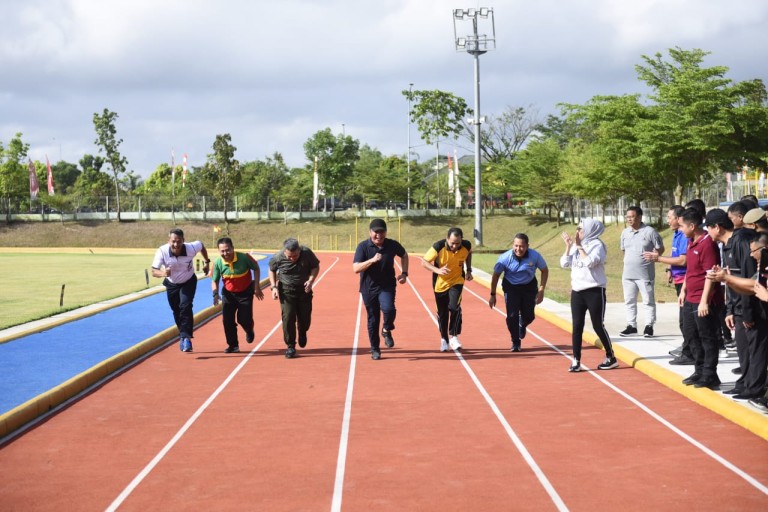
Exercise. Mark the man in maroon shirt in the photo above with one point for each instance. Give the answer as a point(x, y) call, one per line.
point(700, 298)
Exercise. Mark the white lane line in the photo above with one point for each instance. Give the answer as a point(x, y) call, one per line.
point(727, 464)
point(341, 461)
point(543, 480)
point(183, 430)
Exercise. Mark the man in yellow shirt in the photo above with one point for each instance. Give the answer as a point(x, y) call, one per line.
point(447, 260)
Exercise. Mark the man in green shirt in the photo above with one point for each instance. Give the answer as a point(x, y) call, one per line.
point(240, 275)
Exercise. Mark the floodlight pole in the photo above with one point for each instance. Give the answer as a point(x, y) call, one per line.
point(408, 154)
point(476, 44)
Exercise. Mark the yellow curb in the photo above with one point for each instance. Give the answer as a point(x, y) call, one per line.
point(753, 421)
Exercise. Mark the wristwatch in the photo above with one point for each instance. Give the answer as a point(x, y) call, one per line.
point(404, 274)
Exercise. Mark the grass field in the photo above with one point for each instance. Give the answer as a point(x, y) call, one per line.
point(102, 260)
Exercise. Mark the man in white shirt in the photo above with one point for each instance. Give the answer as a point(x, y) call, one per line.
point(174, 263)
point(639, 275)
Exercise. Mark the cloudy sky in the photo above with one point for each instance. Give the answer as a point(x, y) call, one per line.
point(273, 73)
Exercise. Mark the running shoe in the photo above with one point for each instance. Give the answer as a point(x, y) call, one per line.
point(444, 347)
point(454, 343)
point(609, 364)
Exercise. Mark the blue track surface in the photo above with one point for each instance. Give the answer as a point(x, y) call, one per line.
point(34, 364)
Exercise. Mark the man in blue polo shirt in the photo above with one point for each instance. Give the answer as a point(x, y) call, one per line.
point(375, 262)
point(521, 289)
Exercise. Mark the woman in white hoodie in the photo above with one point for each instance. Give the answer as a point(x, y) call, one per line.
point(585, 255)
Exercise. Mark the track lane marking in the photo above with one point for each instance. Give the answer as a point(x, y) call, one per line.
point(720, 459)
point(341, 461)
point(537, 471)
point(192, 419)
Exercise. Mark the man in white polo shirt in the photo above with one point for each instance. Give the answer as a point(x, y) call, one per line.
point(174, 263)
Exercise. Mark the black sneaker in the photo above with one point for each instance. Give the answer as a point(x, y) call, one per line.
point(523, 330)
point(629, 331)
point(760, 403)
point(734, 391)
point(249, 337)
point(515, 346)
point(375, 355)
point(677, 352)
point(291, 352)
point(302, 340)
point(609, 364)
point(648, 331)
point(388, 340)
point(575, 366)
point(682, 360)
point(708, 382)
point(232, 350)
point(692, 379)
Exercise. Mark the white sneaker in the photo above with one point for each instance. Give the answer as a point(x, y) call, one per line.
point(444, 345)
point(455, 343)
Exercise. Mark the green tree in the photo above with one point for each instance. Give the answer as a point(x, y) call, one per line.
point(689, 134)
point(107, 142)
point(65, 174)
point(335, 157)
point(264, 180)
point(14, 176)
point(222, 173)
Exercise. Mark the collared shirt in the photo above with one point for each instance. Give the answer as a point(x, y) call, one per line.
point(236, 274)
point(293, 275)
point(679, 248)
point(702, 255)
point(519, 270)
point(441, 256)
point(181, 265)
point(381, 275)
point(634, 243)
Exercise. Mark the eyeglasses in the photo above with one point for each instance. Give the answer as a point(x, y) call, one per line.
point(753, 251)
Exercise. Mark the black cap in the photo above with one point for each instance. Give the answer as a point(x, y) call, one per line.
point(718, 217)
point(377, 224)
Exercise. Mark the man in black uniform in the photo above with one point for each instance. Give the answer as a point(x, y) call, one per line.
point(292, 273)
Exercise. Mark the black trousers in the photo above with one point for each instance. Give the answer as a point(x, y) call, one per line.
point(296, 307)
point(591, 300)
point(702, 334)
point(378, 304)
point(520, 301)
point(237, 308)
point(180, 298)
point(686, 348)
point(754, 366)
point(449, 311)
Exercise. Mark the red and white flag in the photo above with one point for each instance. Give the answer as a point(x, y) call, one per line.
point(184, 171)
point(34, 185)
point(450, 175)
point(50, 177)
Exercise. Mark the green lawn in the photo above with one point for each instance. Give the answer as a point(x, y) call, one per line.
point(32, 286)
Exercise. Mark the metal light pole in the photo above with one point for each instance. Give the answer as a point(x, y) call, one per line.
point(408, 154)
point(476, 44)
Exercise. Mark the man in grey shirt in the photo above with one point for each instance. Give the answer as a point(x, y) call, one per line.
point(639, 275)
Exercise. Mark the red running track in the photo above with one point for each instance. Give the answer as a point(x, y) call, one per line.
point(485, 429)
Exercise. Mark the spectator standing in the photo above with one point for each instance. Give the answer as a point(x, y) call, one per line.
point(240, 275)
point(374, 260)
point(700, 299)
point(173, 263)
point(639, 275)
point(585, 254)
point(292, 274)
point(741, 309)
point(676, 262)
point(522, 292)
